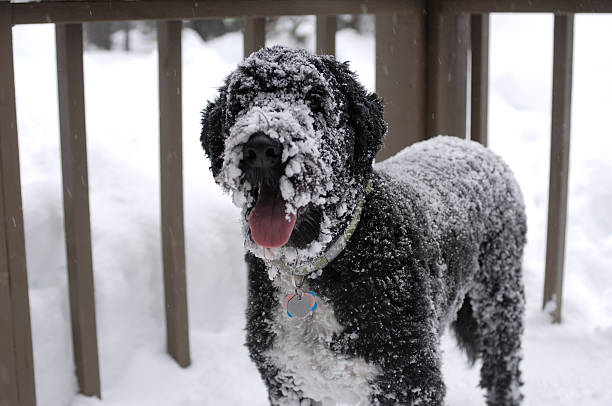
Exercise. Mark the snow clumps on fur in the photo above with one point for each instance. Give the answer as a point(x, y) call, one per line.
point(294, 98)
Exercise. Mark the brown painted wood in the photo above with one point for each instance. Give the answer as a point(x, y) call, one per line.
point(16, 360)
point(171, 166)
point(480, 77)
point(529, 6)
point(8, 378)
point(254, 35)
point(87, 11)
point(326, 34)
point(401, 79)
point(448, 37)
point(559, 161)
point(69, 46)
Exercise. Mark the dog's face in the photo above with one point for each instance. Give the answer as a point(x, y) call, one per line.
point(293, 136)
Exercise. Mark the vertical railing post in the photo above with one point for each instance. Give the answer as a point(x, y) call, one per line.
point(171, 166)
point(326, 34)
point(69, 45)
point(559, 161)
point(254, 34)
point(447, 43)
point(401, 78)
point(480, 77)
point(16, 360)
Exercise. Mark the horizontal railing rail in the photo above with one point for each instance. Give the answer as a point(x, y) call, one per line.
point(88, 11)
point(63, 12)
point(527, 6)
point(421, 72)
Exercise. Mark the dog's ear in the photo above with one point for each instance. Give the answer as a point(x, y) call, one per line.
point(212, 137)
point(364, 113)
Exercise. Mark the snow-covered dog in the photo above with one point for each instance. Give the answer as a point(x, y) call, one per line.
point(356, 270)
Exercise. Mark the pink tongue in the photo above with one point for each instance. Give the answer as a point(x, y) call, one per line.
point(269, 226)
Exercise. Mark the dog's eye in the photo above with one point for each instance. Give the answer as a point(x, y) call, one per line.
point(313, 99)
point(312, 96)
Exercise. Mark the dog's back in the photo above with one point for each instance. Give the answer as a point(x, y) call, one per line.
point(469, 192)
point(452, 175)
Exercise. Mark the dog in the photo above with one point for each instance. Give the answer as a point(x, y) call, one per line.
point(355, 269)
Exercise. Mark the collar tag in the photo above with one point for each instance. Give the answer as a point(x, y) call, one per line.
point(300, 305)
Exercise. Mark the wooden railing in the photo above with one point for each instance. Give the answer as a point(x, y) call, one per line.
point(421, 59)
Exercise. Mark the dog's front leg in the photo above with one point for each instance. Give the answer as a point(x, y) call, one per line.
point(260, 336)
point(409, 361)
point(261, 303)
point(396, 332)
point(413, 376)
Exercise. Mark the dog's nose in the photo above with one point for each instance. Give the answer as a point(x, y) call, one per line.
point(262, 152)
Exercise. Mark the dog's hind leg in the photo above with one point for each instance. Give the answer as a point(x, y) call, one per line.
point(498, 303)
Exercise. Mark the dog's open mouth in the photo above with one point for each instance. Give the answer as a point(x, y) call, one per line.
point(271, 226)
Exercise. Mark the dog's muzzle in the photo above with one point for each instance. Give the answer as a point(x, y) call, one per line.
point(261, 164)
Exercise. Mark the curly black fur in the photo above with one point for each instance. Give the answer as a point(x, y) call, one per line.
point(440, 243)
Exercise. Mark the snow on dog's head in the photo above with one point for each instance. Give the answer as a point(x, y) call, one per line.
point(328, 129)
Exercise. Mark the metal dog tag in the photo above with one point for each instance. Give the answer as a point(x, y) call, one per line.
point(300, 306)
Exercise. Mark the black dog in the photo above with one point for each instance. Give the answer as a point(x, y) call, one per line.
point(356, 270)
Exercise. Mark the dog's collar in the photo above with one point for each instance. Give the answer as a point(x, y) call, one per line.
point(331, 252)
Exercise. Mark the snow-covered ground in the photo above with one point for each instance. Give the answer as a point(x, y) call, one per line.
point(565, 364)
